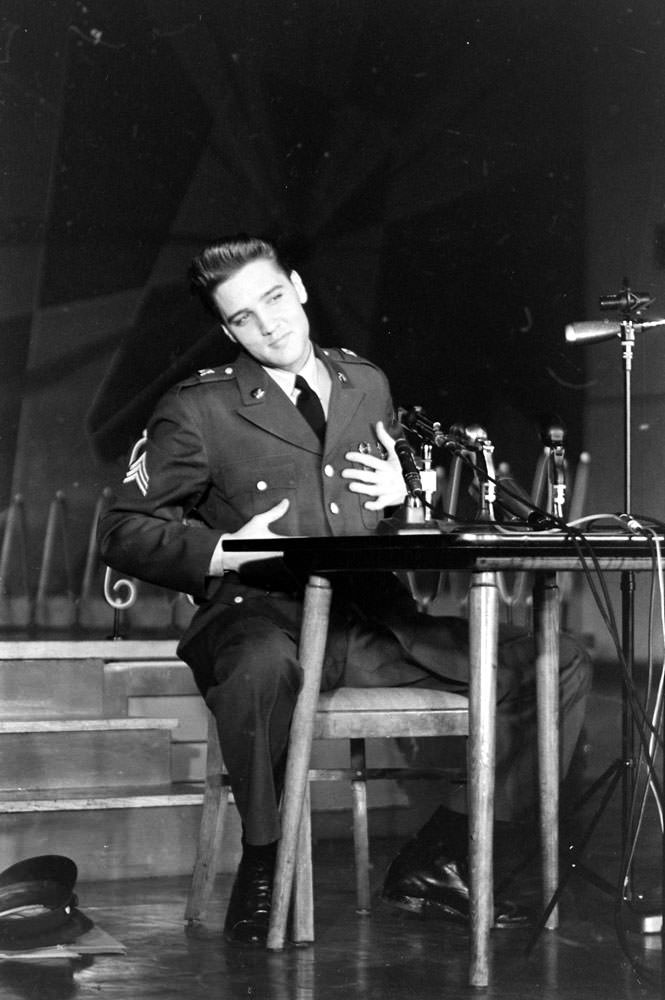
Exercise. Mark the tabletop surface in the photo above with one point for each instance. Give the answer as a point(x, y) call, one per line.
point(477, 546)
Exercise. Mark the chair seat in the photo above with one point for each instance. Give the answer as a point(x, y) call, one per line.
point(408, 699)
point(349, 712)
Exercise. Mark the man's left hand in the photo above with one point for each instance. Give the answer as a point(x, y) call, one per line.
point(379, 478)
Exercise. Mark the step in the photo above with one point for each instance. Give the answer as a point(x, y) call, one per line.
point(189, 741)
point(116, 835)
point(121, 824)
point(61, 753)
point(157, 688)
point(51, 688)
point(81, 649)
point(87, 799)
point(138, 678)
point(83, 725)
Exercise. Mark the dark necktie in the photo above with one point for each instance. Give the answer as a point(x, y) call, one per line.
point(309, 405)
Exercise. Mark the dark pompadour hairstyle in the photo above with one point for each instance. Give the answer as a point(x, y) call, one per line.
point(219, 261)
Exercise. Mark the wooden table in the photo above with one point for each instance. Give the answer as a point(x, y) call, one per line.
point(483, 550)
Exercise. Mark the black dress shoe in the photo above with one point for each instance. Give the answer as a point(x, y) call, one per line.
point(249, 907)
point(428, 879)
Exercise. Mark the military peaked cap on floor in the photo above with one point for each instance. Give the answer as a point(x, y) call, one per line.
point(38, 903)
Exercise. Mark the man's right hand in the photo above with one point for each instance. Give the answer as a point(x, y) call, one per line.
point(257, 527)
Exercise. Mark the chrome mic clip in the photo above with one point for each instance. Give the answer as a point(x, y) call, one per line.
point(471, 442)
point(553, 436)
point(627, 301)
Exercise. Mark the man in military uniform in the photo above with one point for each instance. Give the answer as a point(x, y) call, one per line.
point(250, 450)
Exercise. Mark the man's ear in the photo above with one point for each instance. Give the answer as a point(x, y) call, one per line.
point(297, 283)
point(228, 333)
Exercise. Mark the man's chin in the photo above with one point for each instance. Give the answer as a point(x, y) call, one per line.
point(283, 354)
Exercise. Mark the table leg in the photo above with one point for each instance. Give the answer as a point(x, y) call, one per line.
point(483, 639)
point(313, 635)
point(546, 631)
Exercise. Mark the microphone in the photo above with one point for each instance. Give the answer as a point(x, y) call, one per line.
point(603, 329)
point(516, 503)
point(467, 435)
point(410, 470)
point(552, 431)
point(416, 420)
point(626, 300)
point(589, 331)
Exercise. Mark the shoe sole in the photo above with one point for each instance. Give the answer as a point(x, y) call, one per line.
point(238, 942)
point(429, 909)
point(426, 908)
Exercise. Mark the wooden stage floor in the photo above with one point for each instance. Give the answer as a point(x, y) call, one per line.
point(388, 956)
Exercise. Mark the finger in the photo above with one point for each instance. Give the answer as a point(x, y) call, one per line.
point(268, 516)
point(384, 437)
point(369, 489)
point(371, 461)
point(360, 475)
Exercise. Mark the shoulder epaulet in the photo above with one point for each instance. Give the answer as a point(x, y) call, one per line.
point(344, 354)
point(222, 374)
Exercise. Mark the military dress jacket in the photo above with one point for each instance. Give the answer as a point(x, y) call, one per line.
point(226, 444)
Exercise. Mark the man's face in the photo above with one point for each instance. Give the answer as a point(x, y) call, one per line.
point(262, 310)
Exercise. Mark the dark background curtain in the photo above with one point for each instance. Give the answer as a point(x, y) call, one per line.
point(426, 163)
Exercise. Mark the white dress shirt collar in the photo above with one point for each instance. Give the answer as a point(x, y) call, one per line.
point(315, 374)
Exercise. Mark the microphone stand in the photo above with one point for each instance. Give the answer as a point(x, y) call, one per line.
point(417, 516)
point(627, 582)
point(628, 743)
point(471, 446)
point(621, 769)
point(630, 304)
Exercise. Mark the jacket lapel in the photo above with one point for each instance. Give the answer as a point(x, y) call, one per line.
point(265, 405)
point(345, 399)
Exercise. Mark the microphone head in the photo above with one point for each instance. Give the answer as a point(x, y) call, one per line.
point(552, 430)
point(589, 331)
point(627, 301)
point(464, 433)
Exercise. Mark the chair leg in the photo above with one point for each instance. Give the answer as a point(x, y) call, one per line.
point(215, 802)
point(360, 825)
point(213, 814)
point(303, 897)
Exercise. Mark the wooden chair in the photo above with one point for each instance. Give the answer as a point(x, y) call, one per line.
point(353, 714)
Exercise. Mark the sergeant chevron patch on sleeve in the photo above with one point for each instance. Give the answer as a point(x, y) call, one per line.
point(137, 471)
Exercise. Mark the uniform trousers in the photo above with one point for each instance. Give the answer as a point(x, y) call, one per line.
point(249, 657)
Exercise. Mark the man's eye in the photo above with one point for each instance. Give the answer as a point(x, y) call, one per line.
point(276, 296)
point(240, 320)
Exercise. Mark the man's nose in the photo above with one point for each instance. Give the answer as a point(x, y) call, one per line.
point(267, 322)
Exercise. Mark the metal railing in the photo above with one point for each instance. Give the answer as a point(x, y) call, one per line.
point(14, 546)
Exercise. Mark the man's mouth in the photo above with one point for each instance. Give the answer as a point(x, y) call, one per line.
point(280, 339)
